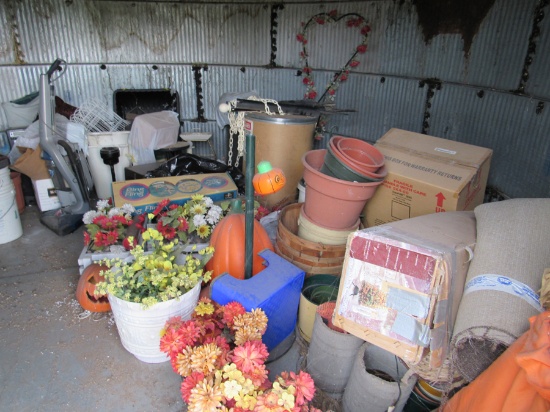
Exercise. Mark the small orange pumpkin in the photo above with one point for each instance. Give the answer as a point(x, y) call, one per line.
point(269, 180)
point(86, 288)
point(228, 240)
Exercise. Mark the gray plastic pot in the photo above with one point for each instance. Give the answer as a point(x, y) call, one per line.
point(330, 357)
point(377, 381)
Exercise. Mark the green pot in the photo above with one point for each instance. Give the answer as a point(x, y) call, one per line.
point(317, 289)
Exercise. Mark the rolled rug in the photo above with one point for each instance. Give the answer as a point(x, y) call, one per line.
point(511, 254)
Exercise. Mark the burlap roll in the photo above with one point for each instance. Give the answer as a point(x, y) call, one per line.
point(513, 242)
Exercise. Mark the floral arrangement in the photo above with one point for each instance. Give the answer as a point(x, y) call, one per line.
point(353, 20)
point(221, 357)
point(153, 276)
point(107, 227)
point(196, 218)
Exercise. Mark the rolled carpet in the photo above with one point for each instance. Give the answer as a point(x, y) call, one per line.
point(511, 254)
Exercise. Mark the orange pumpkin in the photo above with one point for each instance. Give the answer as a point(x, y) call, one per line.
point(269, 180)
point(86, 288)
point(228, 240)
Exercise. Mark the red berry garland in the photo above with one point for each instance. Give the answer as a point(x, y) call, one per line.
point(354, 20)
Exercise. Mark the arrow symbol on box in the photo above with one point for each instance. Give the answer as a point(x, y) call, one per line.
point(440, 199)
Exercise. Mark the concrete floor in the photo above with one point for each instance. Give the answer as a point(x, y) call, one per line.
point(56, 357)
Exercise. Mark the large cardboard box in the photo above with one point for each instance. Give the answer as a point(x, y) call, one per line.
point(402, 282)
point(426, 175)
point(145, 194)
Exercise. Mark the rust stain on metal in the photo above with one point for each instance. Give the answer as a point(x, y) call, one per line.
point(433, 85)
point(452, 17)
point(19, 54)
point(538, 17)
point(197, 72)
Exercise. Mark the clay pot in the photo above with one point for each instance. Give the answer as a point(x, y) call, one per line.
point(363, 172)
point(344, 169)
point(331, 202)
point(365, 155)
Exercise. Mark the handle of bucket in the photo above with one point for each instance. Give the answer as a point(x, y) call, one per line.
point(9, 208)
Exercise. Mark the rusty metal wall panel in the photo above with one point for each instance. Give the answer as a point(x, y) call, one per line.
point(149, 45)
point(380, 103)
point(398, 46)
point(506, 123)
point(118, 32)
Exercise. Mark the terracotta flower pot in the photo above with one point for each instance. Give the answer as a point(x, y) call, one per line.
point(342, 168)
point(365, 155)
point(365, 172)
point(331, 202)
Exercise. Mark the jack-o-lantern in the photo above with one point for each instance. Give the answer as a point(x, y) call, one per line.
point(85, 290)
point(269, 179)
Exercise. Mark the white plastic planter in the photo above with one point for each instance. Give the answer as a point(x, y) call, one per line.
point(139, 328)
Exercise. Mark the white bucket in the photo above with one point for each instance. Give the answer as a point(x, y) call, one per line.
point(101, 173)
point(301, 192)
point(139, 328)
point(10, 222)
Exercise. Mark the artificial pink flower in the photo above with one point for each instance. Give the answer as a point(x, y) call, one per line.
point(311, 95)
point(230, 311)
point(268, 402)
point(305, 387)
point(259, 377)
point(362, 48)
point(307, 70)
point(333, 13)
point(171, 342)
point(87, 238)
point(189, 383)
point(331, 92)
point(250, 355)
point(354, 63)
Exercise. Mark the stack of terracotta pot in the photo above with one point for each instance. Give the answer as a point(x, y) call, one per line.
point(339, 181)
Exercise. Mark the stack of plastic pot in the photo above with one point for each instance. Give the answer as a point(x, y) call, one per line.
point(339, 182)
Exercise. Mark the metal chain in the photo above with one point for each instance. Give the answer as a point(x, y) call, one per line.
point(236, 125)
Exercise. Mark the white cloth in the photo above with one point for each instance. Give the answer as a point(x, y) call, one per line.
point(152, 131)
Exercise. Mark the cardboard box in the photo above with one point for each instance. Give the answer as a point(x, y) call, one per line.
point(145, 194)
point(46, 195)
point(402, 282)
point(427, 174)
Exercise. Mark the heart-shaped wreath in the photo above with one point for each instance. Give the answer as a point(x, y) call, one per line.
point(353, 20)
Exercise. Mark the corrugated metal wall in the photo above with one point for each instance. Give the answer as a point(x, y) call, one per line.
point(488, 73)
